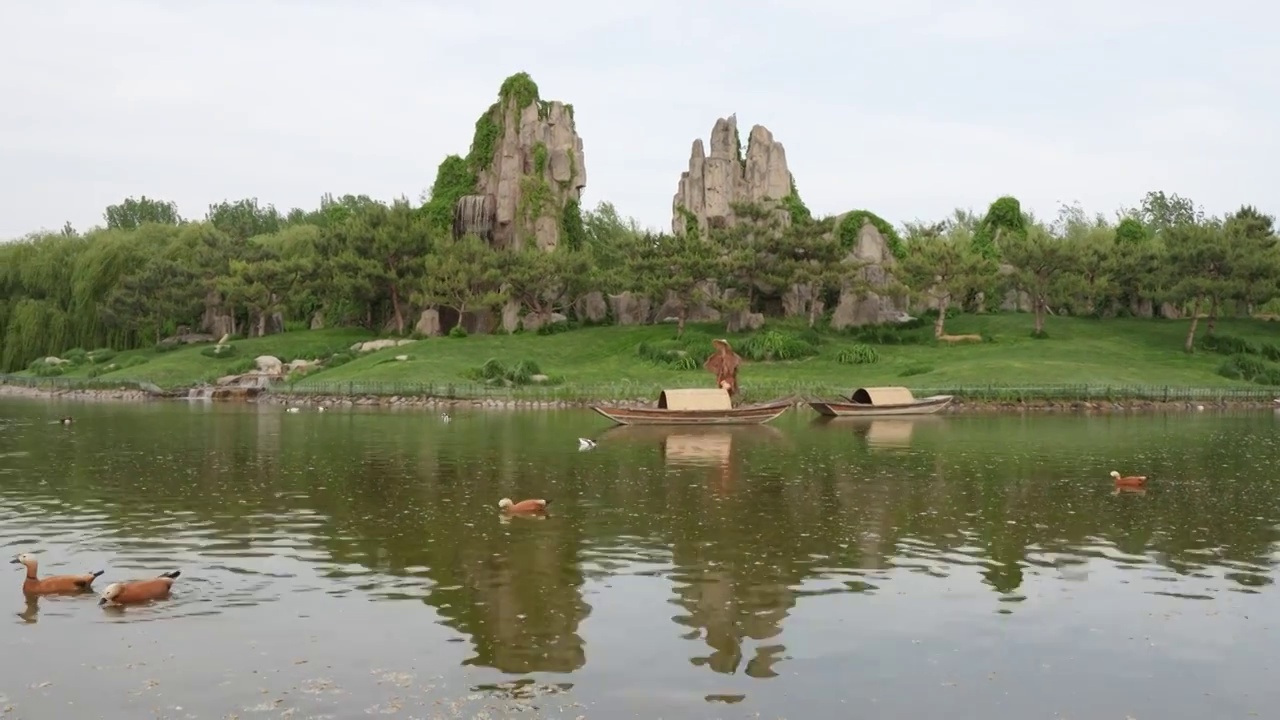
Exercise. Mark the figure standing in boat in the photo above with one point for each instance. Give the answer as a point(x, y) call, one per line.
point(724, 362)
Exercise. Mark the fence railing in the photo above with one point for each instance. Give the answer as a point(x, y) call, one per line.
point(751, 391)
point(77, 383)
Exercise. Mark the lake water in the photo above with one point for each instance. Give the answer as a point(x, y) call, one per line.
point(354, 563)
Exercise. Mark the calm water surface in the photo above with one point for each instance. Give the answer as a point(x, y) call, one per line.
point(353, 563)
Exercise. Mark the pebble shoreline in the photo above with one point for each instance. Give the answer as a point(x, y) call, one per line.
point(959, 406)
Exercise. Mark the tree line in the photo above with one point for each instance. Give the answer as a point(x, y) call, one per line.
point(354, 261)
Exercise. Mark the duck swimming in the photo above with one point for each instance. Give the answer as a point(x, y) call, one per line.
point(34, 585)
point(137, 591)
point(533, 505)
point(1129, 481)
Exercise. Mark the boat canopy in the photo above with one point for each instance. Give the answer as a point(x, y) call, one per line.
point(881, 396)
point(695, 399)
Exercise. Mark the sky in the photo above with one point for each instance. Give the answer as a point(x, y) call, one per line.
point(908, 108)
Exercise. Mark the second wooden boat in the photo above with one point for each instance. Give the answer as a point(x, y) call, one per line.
point(881, 401)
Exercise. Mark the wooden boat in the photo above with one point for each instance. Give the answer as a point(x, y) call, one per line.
point(880, 401)
point(695, 406)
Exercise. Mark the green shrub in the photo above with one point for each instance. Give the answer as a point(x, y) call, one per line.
point(687, 353)
point(913, 332)
point(219, 351)
point(337, 359)
point(523, 372)
point(1244, 367)
point(1229, 345)
point(1270, 377)
point(77, 356)
point(916, 369)
point(46, 370)
point(558, 327)
point(458, 331)
point(859, 354)
point(101, 355)
point(772, 345)
point(97, 370)
point(164, 346)
point(133, 361)
point(1038, 335)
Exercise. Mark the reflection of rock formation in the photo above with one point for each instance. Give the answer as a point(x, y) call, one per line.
point(729, 601)
point(530, 613)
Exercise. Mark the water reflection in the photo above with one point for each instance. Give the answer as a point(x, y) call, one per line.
point(747, 546)
point(889, 433)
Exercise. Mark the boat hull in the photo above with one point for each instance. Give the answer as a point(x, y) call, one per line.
point(745, 415)
point(923, 406)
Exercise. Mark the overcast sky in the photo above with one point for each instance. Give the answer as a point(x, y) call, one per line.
point(906, 107)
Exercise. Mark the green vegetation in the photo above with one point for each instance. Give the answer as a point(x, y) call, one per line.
point(1096, 297)
point(1081, 351)
point(851, 225)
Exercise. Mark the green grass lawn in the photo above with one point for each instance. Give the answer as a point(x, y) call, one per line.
point(1079, 351)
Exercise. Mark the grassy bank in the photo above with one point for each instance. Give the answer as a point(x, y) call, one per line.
point(1098, 357)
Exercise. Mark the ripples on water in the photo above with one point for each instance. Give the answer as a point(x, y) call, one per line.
point(676, 568)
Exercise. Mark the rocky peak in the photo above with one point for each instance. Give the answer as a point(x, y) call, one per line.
point(725, 176)
point(529, 170)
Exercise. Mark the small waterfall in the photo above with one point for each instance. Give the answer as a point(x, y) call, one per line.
point(200, 392)
point(476, 215)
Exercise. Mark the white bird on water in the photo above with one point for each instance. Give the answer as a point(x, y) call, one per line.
point(445, 417)
point(586, 443)
point(292, 410)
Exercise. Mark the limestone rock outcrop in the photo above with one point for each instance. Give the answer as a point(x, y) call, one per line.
point(529, 165)
point(878, 302)
point(723, 177)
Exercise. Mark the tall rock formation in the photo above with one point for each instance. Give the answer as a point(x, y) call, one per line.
point(524, 174)
point(880, 299)
point(718, 180)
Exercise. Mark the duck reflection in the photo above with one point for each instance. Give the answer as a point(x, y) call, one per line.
point(30, 613)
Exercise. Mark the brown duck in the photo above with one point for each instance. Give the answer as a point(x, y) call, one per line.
point(533, 505)
point(1130, 481)
point(35, 585)
point(138, 591)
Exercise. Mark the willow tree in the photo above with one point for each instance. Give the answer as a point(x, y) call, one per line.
point(133, 213)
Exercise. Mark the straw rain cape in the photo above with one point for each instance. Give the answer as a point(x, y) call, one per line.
point(724, 362)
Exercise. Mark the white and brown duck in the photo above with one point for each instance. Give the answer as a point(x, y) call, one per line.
point(54, 584)
point(138, 591)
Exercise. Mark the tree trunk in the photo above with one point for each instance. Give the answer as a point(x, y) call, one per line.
point(939, 325)
point(813, 312)
point(1037, 308)
point(680, 322)
point(1213, 315)
point(395, 306)
point(1190, 345)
